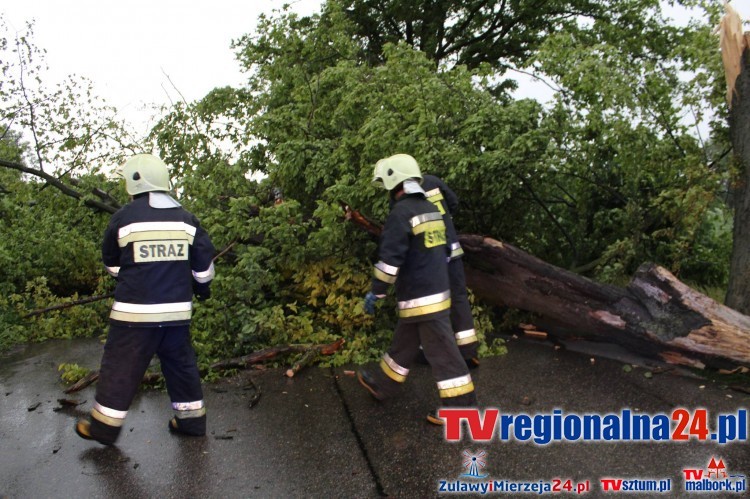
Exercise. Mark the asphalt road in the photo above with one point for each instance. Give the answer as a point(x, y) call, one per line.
point(321, 435)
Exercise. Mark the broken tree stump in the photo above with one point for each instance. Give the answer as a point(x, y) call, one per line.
point(306, 359)
point(655, 314)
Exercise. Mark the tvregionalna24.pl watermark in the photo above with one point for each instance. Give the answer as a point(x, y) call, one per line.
point(681, 425)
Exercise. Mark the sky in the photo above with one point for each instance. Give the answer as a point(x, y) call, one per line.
point(139, 51)
point(143, 51)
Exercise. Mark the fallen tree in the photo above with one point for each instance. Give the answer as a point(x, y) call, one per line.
point(655, 314)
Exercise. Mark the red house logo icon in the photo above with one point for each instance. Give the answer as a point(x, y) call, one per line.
point(717, 469)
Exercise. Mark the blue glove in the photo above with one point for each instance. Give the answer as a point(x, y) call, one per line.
point(370, 300)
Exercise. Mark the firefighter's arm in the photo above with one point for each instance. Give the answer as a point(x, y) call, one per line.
point(451, 199)
point(111, 251)
point(201, 262)
point(394, 246)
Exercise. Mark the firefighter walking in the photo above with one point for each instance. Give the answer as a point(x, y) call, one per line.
point(413, 256)
point(161, 257)
point(446, 201)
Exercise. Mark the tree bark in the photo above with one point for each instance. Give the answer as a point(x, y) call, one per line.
point(738, 290)
point(655, 314)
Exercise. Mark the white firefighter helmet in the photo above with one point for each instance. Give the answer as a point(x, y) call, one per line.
point(145, 173)
point(391, 171)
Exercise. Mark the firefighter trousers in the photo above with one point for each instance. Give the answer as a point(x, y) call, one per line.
point(461, 318)
point(127, 354)
point(448, 367)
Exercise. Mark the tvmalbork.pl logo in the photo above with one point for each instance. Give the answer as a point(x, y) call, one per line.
point(714, 478)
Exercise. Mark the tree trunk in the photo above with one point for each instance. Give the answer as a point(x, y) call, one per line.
point(738, 291)
point(655, 314)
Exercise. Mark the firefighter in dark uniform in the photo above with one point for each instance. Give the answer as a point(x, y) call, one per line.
point(462, 321)
point(160, 256)
point(413, 256)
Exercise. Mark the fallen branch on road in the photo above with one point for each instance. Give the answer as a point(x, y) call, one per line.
point(310, 353)
point(305, 360)
point(271, 352)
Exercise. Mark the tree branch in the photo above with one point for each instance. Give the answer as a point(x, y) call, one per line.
point(82, 301)
point(67, 190)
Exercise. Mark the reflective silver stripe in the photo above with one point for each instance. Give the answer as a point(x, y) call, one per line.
point(160, 312)
point(155, 226)
point(155, 308)
point(388, 269)
point(384, 272)
point(393, 365)
point(456, 250)
point(454, 382)
point(147, 231)
point(432, 192)
point(187, 406)
point(426, 217)
point(113, 271)
point(425, 300)
point(382, 276)
point(112, 413)
point(206, 276)
point(466, 337)
point(187, 410)
point(465, 334)
point(107, 420)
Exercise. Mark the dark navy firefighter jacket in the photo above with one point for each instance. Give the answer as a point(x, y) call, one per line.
point(446, 201)
point(160, 256)
point(413, 256)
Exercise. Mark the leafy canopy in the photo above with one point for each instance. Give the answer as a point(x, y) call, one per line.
point(610, 174)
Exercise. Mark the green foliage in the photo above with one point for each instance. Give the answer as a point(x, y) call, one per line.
point(72, 373)
point(49, 255)
point(611, 174)
point(79, 321)
point(49, 249)
point(626, 177)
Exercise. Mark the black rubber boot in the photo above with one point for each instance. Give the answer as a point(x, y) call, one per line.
point(368, 381)
point(472, 362)
point(91, 429)
point(470, 355)
point(194, 427)
point(435, 419)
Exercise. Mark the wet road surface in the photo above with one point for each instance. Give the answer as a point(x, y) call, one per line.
point(321, 435)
